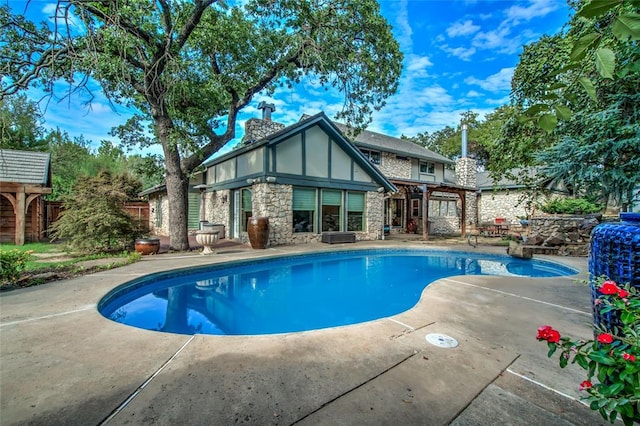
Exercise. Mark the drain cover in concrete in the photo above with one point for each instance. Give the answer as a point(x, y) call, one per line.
point(442, 340)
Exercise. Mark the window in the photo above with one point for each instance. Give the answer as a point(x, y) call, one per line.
point(304, 209)
point(331, 208)
point(415, 207)
point(159, 213)
point(355, 211)
point(246, 210)
point(427, 167)
point(373, 156)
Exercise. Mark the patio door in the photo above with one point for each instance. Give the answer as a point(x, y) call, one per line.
point(397, 212)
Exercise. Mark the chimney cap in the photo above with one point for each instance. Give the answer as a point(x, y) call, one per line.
point(267, 109)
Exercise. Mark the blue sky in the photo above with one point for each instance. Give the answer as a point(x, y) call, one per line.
point(459, 55)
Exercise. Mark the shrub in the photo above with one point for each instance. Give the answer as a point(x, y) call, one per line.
point(571, 206)
point(93, 220)
point(12, 262)
point(612, 360)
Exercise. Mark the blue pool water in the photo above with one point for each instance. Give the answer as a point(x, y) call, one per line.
point(297, 293)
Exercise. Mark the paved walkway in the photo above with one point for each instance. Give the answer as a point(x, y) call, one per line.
point(61, 362)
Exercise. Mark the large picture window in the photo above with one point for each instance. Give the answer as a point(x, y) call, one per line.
point(331, 209)
point(304, 209)
point(355, 211)
point(246, 210)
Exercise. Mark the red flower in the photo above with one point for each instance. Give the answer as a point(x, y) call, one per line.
point(628, 357)
point(623, 293)
point(605, 338)
point(609, 287)
point(585, 385)
point(546, 332)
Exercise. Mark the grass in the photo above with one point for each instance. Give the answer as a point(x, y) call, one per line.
point(49, 257)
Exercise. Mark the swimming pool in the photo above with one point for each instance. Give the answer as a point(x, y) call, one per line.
point(297, 293)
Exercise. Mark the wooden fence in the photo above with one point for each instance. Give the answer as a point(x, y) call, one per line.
point(138, 209)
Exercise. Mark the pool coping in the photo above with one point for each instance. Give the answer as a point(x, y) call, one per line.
point(63, 362)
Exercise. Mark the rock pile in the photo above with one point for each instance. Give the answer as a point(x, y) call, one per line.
point(569, 234)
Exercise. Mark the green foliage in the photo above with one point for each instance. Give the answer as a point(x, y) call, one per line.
point(612, 360)
point(20, 124)
point(481, 135)
point(93, 220)
point(12, 263)
point(571, 206)
point(591, 52)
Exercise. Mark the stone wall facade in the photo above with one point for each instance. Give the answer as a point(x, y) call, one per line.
point(256, 129)
point(570, 234)
point(507, 204)
point(275, 201)
point(393, 167)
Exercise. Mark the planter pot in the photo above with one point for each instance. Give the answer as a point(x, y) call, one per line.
point(147, 246)
point(258, 230)
point(207, 239)
point(614, 253)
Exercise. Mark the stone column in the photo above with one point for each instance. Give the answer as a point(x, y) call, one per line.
point(466, 175)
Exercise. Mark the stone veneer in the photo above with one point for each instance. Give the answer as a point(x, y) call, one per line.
point(275, 201)
point(466, 175)
point(393, 167)
point(256, 129)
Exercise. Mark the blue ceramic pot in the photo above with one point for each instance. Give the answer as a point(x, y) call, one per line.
point(615, 253)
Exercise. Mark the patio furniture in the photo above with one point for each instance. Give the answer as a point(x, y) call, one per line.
point(335, 237)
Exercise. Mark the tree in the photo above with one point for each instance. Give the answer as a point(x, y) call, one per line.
point(594, 147)
point(448, 141)
point(593, 49)
point(20, 124)
point(190, 67)
point(93, 219)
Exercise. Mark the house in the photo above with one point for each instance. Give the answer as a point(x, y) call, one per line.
point(309, 178)
point(306, 178)
point(25, 176)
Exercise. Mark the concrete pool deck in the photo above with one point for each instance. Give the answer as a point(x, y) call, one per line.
point(61, 362)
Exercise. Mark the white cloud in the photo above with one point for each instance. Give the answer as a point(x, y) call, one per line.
point(462, 53)
point(535, 9)
point(501, 81)
point(458, 29)
point(402, 30)
point(473, 94)
point(58, 15)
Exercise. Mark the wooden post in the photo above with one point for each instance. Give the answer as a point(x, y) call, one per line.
point(425, 213)
point(20, 209)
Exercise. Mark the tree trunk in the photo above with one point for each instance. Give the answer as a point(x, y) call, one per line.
point(177, 183)
point(177, 188)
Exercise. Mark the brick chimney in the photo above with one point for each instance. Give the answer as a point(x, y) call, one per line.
point(256, 129)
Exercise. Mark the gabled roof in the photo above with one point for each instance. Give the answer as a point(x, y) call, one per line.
point(330, 128)
point(402, 147)
point(485, 182)
point(25, 167)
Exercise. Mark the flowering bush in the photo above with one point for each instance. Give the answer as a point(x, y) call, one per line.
point(612, 360)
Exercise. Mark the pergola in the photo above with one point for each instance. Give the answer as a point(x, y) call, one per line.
point(25, 177)
point(427, 189)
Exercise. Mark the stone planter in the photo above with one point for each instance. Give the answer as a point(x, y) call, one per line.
point(258, 230)
point(146, 246)
point(208, 239)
